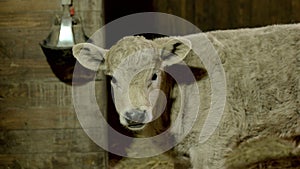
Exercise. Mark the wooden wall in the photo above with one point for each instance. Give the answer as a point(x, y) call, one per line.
point(213, 14)
point(230, 14)
point(38, 125)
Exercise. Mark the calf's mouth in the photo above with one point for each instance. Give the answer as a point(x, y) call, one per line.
point(132, 125)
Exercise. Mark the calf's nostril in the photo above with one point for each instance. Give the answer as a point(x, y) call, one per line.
point(135, 117)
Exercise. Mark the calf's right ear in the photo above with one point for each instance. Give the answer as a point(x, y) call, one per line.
point(90, 56)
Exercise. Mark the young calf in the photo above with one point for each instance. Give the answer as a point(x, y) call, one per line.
point(262, 92)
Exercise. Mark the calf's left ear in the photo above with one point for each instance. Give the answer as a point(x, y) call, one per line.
point(174, 49)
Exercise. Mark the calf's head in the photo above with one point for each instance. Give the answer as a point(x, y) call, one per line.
point(136, 66)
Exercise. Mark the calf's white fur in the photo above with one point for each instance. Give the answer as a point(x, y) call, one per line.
point(262, 92)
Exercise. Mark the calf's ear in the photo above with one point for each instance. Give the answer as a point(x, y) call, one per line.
point(174, 49)
point(90, 56)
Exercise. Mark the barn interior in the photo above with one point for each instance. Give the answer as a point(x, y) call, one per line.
point(39, 128)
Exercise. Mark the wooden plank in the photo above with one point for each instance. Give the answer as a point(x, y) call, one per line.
point(26, 106)
point(160, 6)
point(35, 94)
point(203, 18)
point(21, 6)
point(260, 13)
point(10, 47)
point(68, 160)
point(224, 14)
point(42, 93)
point(92, 19)
point(89, 5)
point(16, 70)
point(21, 34)
point(46, 141)
point(233, 15)
point(190, 11)
point(212, 14)
point(280, 12)
point(183, 10)
point(295, 16)
point(18, 118)
point(244, 12)
point(180, 11)
point(26, 20)
point(31, 69)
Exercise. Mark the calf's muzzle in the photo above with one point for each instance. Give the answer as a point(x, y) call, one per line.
point(136, 119)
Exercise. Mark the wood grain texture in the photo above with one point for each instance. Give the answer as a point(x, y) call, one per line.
point(18, 118)
point(39, 128)
point(46, 141)
point(22, 6)
point(214, 14)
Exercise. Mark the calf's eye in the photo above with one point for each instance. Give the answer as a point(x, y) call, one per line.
point(113, 80)
point(154, 77)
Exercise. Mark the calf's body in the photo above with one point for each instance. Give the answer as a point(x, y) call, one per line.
point(261, 117)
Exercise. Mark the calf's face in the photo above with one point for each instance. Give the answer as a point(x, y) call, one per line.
point(138, 96)
point(136, 66)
